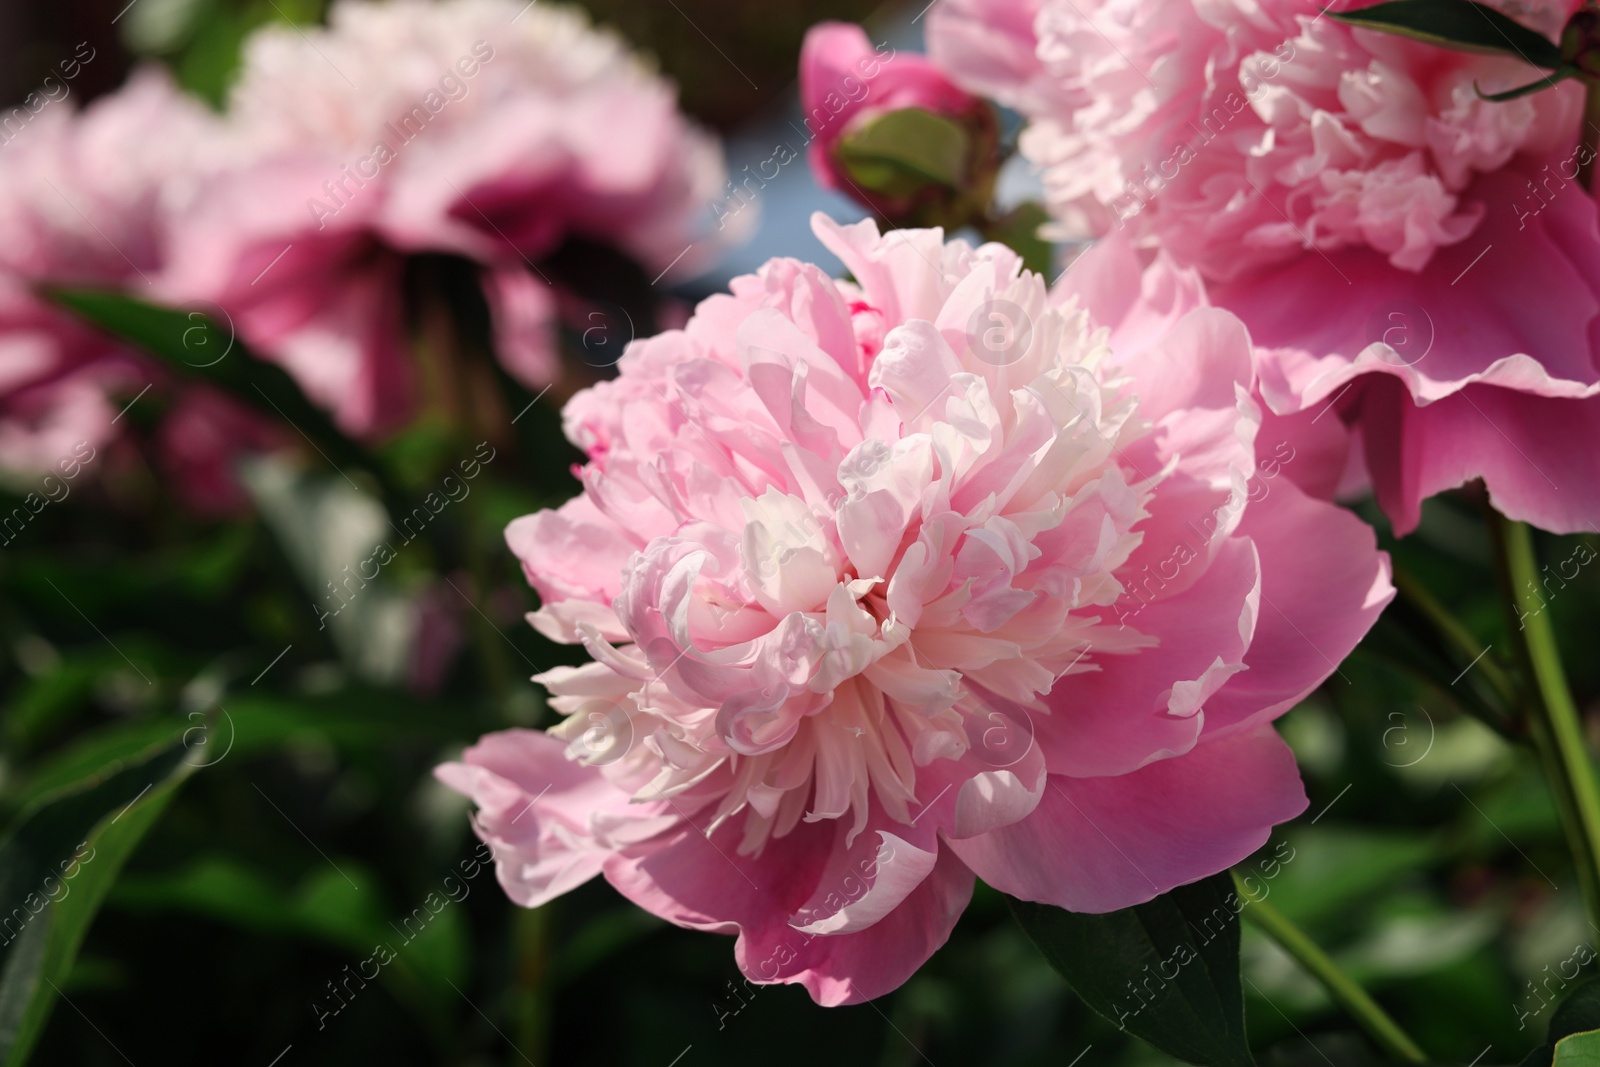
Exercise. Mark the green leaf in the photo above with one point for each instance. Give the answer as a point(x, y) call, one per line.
point(904, 151)
point(1460, 24)
point(56, 866)
point(201, 349)
point(1328, 870)
point(1167, 970)
point(429, 943)
point(1579, 1050)
point(324, 909)
point(1342, 1049)
point(248, 725)
point(1561, 74)
point(198, 347)
point(1578, 1015)
point(1579, 1012)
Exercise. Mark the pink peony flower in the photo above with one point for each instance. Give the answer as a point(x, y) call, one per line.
point(1401, 248)
point(83, 196)
point(471, 127)
point(892, 583)
point(845, 81)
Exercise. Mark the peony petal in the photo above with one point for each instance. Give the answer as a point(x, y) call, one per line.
point(1322, 588)
point(1117, 719)
point(541, 813)
point(1100, 844)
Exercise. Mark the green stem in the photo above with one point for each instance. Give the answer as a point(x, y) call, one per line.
point(1552, 713)
point(1340, 986)
point(491, 647)
point(454, 352)
point(1591, 131)
point(1450, 628)
point(530, 980)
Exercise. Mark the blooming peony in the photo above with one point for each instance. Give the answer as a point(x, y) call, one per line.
point(892, 583)
point(1400, 247)
point(482, 128)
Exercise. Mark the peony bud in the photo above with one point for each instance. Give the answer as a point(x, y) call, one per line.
point(891, 130)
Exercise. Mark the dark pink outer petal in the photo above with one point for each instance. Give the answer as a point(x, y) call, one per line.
point(202, 439)
point(311, 291)
point(1310, 448)
point(1142, 305)
point(851, 968)
point(522, 308)
point(702, 882)
point(1500, 333)
point(1099, 844)
point(55, 373)
point(1539, 457)
point(1322, 588)
point(1525, 286)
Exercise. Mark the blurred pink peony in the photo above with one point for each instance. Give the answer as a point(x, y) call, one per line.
point(1399, 247)
point(846, 81)
point(482, 128)
point(83, 196)
point(200, 442)
point(897, 582)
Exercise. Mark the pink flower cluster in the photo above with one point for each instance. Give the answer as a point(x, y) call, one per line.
point(1240, 136)
point(1401, 248)
point(84, 201)
point(892, 583)
point(480, 129)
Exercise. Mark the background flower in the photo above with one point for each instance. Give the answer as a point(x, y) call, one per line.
point(1379, 227)
point(471, 127)
point(83, 199)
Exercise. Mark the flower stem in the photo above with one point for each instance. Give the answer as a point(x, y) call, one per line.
point(1591, 131)
point(1552, 713)
point(1340, 986)
point(1458, 636)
